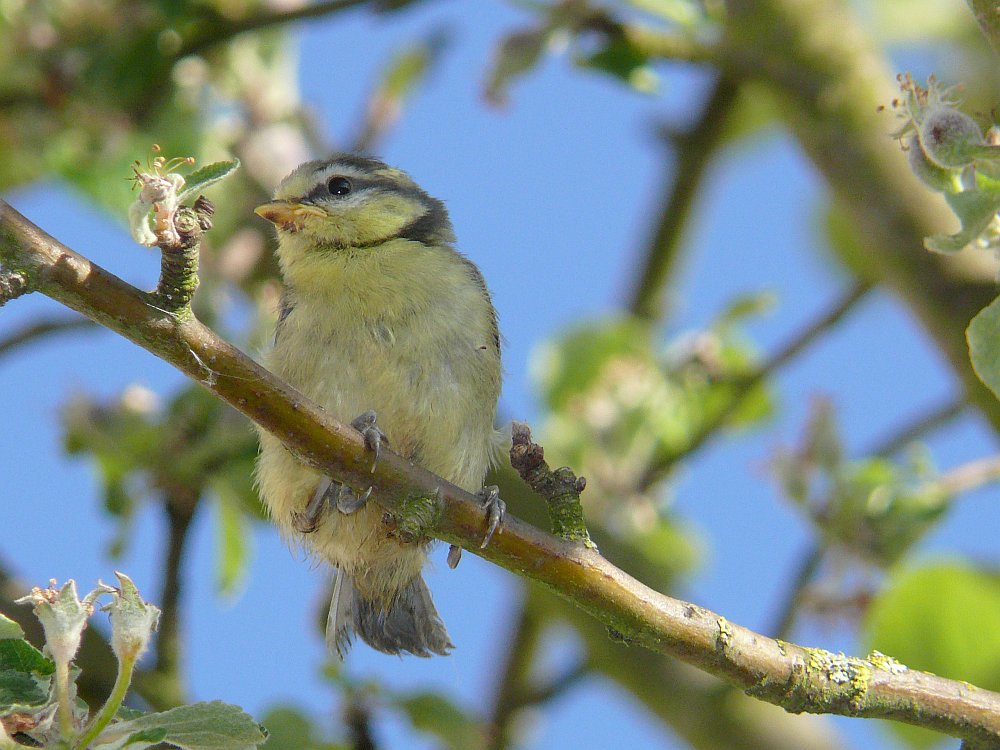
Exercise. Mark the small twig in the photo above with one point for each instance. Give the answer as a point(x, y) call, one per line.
point(522, 646)
point(968, 476)
point(798, 343)
point(560, 488)
point(179, 260)
point(221, 31)
point(804, 576)
point(358, 718)
point(165, 679)
point(694, 153)
point(40, 328)
point(917, 428)
point(556, 686)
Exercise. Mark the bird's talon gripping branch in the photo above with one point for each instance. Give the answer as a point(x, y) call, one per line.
point(308, 520)
point(374, 437)
point(347, 502)
point(495, 511)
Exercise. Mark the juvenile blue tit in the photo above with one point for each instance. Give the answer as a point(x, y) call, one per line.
point(383, 318)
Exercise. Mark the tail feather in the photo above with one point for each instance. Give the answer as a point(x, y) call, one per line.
point(338, 620)
point(411, 625)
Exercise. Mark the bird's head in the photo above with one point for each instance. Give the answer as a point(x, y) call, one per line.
point(350, 201)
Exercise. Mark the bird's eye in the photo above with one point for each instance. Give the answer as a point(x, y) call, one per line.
point(339, 186)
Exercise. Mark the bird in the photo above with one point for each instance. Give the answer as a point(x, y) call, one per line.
point(384, 322)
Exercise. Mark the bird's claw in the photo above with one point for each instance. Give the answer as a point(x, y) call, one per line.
point(308, 520)
point(373, 436)
point(347, 502)
point(495, 508)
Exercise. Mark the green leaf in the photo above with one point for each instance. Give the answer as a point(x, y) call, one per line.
point(517, 54)
point(20, 689)
point(288, 729)
point(983, 336)
point(200, 179)
point(435, 714)
point(127, 713)
point(679, 12)
point(9, 629)
point(146, 736)
point(621, 59)
point(746, 306)
point(21, 656)
point(24, 670)
point(976, 210)
point(668, 546)
point(572, 364)
point(943, 618)
point(201, 726)
point(408, 68)
point(232, 551)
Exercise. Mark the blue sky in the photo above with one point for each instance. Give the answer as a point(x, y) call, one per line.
point(553, 198)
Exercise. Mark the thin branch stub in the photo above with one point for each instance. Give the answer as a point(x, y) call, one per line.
point(560, 488)
point(179, 260)
point(12, 286)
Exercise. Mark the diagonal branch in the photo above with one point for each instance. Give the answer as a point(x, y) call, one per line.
point(796, 678)
point(221, 32)
point(745, 386)
point(695, 149)
point(40, 328)
point(988, 17)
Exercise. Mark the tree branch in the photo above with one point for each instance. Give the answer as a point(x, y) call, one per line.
point(804, 575)
point(988, 17)
point(793, 677)
point(918, 427)
point(512, 685)
point(694, 152)
point(40, 328)
point(968, 476)
point(222, 30)
point(165, 682)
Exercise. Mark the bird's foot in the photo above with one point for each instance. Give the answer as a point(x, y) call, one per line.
point(308, 520)
point(347, 502)
point(374, 437)
point(328, 494)
point(495, 508)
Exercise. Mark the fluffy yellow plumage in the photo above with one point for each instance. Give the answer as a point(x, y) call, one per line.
point(380, 313)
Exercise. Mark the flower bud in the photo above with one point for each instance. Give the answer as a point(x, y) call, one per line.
point(132, 620)
point(950, 138)
point(935, 177)
point(63, 616)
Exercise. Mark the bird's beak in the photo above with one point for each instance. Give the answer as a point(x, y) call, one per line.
point(288, 215)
